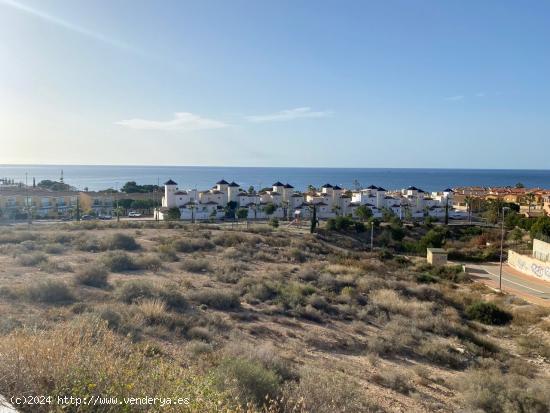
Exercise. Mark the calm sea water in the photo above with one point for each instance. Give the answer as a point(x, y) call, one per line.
point(202, 177)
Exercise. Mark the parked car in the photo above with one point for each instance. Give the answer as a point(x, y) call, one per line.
point(87, 217)
point(134, 214)
point(105, 217)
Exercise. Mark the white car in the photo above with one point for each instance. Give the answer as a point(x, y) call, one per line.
point(134, 214)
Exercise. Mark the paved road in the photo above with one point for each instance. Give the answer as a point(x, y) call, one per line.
point(513, 281)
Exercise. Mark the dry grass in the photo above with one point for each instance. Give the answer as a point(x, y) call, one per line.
point(154, 310)
point(330, 328)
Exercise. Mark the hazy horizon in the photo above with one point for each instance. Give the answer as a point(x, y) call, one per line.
point(15, 165)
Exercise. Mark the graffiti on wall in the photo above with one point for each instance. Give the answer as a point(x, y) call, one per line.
point(530, 266)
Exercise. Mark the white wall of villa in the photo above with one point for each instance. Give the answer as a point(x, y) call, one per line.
point(330, 201)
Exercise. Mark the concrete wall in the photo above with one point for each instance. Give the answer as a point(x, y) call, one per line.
point(529, 265)
point(541, 250)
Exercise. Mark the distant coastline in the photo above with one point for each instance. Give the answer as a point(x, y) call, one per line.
point(96, 177)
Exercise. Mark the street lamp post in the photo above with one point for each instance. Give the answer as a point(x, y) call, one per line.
point(504, 209)
point(372, 236)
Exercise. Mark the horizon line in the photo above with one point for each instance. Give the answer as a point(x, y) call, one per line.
point(266, 167)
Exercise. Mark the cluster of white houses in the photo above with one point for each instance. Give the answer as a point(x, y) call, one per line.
point(283, 201)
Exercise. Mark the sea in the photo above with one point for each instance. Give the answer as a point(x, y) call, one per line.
point(99, 177)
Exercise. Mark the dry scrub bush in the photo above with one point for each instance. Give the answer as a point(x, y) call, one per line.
point(119, 242)
point(153, 310)
point(119, 261)
point(192, 244)
point(93, 276)
point(32, 259)
point(323, 391)
point(491, 391)
point(218, 299)
point(85, 359)
point(230, 273)
point(390, 301)
point(396, 379)
point(265, 353)
point(133, 292)
point(196, 265)
point(49, 292)
point(233, 239)
point(247, 380)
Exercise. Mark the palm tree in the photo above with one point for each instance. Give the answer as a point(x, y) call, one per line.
point(469, 201)
point(530, 197)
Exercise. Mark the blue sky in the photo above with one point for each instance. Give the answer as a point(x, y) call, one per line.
point(276, 83)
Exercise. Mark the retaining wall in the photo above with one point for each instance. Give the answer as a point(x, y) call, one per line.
point(529, 265)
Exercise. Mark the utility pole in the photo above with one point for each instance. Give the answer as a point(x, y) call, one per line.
point(447, 211)
point(116, 203)
point(157, 207)
point(501, 250)
point(27, 203)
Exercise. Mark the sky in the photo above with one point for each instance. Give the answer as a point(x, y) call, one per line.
point(420, 84)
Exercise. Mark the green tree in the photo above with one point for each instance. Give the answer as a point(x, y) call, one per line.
point(132, 187)
point(363, 212)
point(530, 198)
point(274, 222)
point(270, 209)
point(520, 185)
point(434, 238)
point(230, 209)
point(541, 227)
point(314, 221)
point(242, 213)
point(251, 189)
point(54, 185)
point(173, 214)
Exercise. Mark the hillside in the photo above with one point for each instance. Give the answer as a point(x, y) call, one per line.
point(274, 320)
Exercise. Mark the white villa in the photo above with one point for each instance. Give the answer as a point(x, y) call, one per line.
point(282, 201)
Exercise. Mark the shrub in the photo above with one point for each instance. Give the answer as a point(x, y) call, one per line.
point(120, 242)
point(491, 391)
point(32, 259)
point(119, 261)
point(397, 380)
point(93, 276)
point(199, 333)
point(218, 299)
point(50, 292)
point(274, 222)
point(323, 391)
point(297, 255)
point(148, 262)
point(54, 248)
point(247, 380)
point(136, 291)
point(196, 265)
point(441, 354)
point(198, 347)
point(192, 245)
point(230, 273)
point(488, 313)
point(168, 252)
point(86, 358)
point(153, 310)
